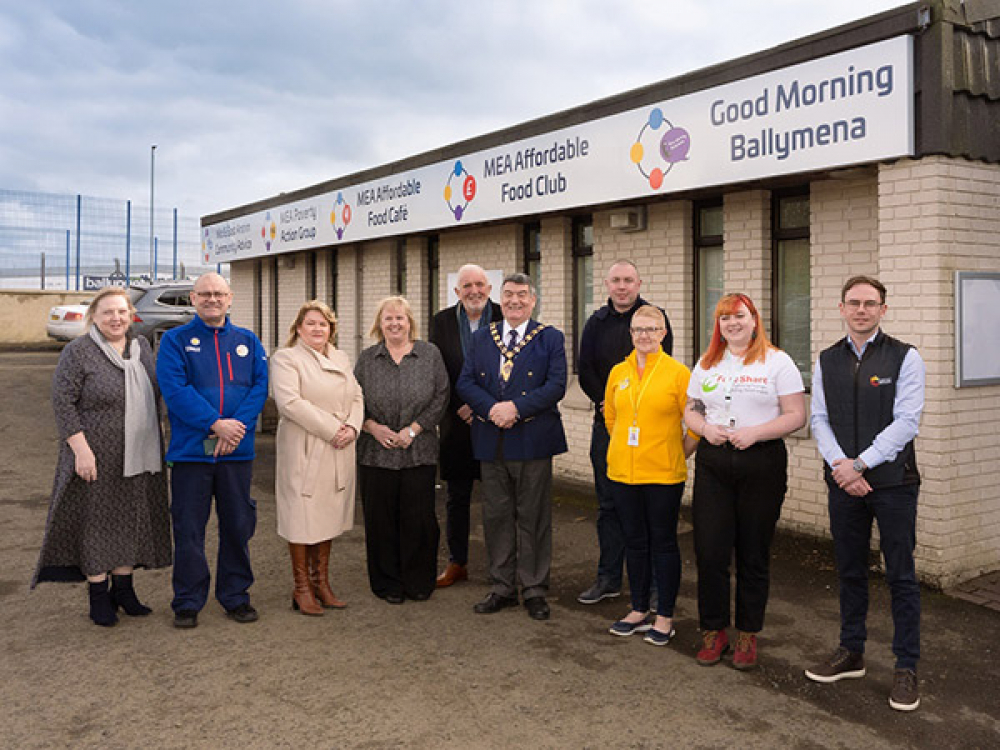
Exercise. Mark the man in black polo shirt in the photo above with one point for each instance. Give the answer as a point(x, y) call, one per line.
point(867, 398)
point(605, 342)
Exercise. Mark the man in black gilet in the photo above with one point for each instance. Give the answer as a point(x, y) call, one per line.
point(867, 397)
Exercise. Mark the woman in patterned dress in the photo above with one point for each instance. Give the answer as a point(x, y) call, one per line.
point(108, 511)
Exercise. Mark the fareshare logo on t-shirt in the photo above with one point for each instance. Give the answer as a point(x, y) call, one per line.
point(740, 383)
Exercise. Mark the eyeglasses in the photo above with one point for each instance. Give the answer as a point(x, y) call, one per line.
point(868, 304)
point(212, 295)
point(645, 331)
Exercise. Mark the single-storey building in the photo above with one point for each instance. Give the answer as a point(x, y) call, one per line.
point(871, 148)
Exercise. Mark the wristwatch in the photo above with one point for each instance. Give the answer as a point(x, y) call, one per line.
point(413, 435)
point(859, 466)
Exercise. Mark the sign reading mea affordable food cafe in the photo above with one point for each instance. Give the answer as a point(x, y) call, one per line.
point(848, 108)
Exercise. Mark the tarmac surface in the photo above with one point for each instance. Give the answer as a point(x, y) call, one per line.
point(434, 674)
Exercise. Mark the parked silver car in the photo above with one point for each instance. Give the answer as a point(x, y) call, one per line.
point(160, 307)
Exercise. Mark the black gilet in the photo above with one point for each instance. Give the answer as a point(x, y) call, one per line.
point(859, 399)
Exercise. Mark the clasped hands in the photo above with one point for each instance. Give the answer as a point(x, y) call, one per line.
point(389, 438)
point(848, 479)
point(230, 433)
point(503, 414)
point(741, 438)
point(344, 437)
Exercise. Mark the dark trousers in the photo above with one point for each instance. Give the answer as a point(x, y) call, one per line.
point(517, 524)
point(610, 536)
point(192, 486)
point(737, 501)
point(401, 530)
point(895, 510)
point(649, 519)
point(457, 513)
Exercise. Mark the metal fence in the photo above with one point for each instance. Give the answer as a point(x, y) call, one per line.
point(53, 241)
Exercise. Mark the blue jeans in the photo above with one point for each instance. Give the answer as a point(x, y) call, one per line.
point(895, 511)
point(610, 536)
point(192, 486)
point(649, 518)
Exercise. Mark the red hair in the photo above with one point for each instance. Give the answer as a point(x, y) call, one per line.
point(717, 346)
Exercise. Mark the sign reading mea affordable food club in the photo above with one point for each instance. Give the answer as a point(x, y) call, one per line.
point(849, 108)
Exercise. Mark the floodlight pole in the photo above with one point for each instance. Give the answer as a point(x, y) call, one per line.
point(152, 192)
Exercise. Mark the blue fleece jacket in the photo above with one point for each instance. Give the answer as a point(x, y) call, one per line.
point(206, 373)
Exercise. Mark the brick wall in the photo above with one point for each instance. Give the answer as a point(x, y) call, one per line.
point(938, 216)
point(912, 224)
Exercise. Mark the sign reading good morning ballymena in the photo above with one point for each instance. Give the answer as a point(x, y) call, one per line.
point(849, 108)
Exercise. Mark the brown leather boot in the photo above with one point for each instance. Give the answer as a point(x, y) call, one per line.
point(319, 576)
point(302, 597)
point(452, 575)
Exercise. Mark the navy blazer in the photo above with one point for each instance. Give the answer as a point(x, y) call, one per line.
point(537, 384)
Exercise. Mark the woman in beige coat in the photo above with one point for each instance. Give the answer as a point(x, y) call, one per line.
point(321, 408)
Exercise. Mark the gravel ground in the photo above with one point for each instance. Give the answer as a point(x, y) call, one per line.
point(434, 674)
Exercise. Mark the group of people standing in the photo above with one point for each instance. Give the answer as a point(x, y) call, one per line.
point(480, 400)
point(742, 399)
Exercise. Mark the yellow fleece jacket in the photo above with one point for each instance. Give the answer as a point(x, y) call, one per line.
point(659, 456)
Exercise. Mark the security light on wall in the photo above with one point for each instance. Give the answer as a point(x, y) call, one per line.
point(288, 261)
point(629, 220)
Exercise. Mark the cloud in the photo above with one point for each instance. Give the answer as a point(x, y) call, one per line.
point(246, 100)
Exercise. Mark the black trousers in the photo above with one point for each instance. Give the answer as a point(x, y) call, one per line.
point(737, 502)
point(401, 530)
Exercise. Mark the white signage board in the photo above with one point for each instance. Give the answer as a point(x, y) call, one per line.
point(977, 328)
point(849, 108)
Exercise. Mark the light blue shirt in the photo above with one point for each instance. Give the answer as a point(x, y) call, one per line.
point(906, 410)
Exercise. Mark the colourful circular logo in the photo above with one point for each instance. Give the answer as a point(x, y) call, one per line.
point(660, 139)
point(268, 232)
point(466, 184)
point(340, 216)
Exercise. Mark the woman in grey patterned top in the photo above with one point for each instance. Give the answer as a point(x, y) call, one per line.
point(109, 501)
point(405, 384)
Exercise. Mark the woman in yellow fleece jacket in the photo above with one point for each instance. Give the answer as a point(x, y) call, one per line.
point(643, 407)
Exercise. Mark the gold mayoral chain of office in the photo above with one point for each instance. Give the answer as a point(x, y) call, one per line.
point(508, 354)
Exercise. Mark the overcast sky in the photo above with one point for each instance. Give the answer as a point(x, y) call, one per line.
point(249, 99)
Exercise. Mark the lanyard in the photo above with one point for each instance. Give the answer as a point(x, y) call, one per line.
point(727, 387)
point(636, 399)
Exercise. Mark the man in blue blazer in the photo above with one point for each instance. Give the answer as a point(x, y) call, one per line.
point(513, 379)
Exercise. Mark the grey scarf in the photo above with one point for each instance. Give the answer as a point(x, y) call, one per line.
point(142, 429)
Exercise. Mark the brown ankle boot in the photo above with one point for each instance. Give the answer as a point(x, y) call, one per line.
point(319, 576)
point(302, 597)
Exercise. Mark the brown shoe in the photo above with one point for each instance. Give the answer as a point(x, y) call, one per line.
point(302, 596)
point(842, 665)
point(452, 575)
point(319, 576)
point(905, 695)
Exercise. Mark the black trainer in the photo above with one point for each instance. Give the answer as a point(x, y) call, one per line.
point(244, 613)
point(905, 695)
point(600, 590)
point(186, 619)
point(842, 665)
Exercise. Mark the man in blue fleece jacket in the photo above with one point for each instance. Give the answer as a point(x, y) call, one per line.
point(213, 376)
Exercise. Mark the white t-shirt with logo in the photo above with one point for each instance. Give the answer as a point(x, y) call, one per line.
point(739, 395)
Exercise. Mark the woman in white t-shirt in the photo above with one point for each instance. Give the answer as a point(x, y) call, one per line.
point(744, 396)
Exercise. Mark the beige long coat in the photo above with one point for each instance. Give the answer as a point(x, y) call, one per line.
point(314, 482)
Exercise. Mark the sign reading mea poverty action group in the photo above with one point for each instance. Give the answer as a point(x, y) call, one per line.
point(849, 108)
